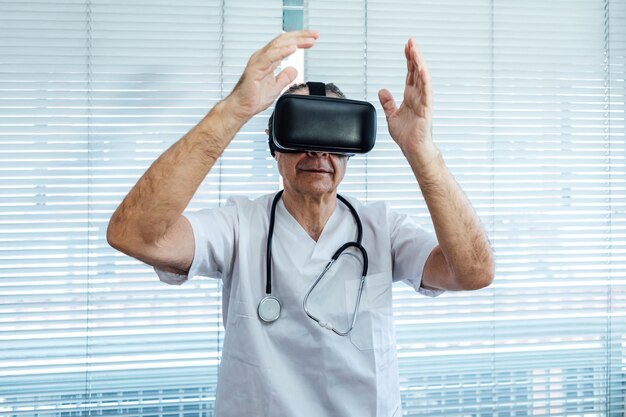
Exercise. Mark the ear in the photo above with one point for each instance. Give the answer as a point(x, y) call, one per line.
point(267, 132)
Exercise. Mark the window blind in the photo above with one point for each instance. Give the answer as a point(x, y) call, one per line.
point(91, 92)
point(46, 223)
point(529, 115)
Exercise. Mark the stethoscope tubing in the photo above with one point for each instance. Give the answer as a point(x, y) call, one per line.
point(269, 316)
point(360, 291)
point(268, 252)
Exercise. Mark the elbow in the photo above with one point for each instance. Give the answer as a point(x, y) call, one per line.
point(478, 277)
point(482, 280)
point(114, 234)
point(476, 281)
point(125, 237)
point(119, 236)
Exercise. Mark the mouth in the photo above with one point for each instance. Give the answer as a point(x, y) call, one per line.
point(316, 170)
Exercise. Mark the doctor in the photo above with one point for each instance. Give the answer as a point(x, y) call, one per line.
point(293, 366)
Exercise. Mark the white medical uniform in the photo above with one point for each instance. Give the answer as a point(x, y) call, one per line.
point(294, 367)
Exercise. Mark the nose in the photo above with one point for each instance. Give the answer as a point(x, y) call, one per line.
point(312, 154)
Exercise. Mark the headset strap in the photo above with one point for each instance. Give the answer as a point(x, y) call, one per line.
point(316, 89)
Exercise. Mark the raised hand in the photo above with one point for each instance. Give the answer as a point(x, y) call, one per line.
point(410, 125)
point(258, 87)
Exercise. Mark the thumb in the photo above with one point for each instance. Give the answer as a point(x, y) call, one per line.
point(386, 100)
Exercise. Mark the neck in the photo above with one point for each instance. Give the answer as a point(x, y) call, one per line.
point(311, 212)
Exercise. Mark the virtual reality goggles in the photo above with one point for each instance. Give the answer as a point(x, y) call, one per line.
point(322, 124)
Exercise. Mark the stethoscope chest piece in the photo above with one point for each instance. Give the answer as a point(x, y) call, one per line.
point(269, 309)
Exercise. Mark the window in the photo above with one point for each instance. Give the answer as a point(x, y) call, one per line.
point(529, 115)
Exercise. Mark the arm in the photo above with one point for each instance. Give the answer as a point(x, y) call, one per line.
point(148, 224)
point(463, 260)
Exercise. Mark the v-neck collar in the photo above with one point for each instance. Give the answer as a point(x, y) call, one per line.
point(297, 227)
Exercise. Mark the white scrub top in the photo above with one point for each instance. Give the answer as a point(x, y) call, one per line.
point(294, 367)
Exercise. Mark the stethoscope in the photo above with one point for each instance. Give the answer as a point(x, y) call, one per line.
point(269, 307)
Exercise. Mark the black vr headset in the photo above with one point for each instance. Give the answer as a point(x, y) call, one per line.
point(322, 124)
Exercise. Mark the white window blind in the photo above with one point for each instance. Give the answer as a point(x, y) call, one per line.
point(91, 92)
point(529, 115)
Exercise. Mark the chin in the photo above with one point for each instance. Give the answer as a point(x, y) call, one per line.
point(316, 189)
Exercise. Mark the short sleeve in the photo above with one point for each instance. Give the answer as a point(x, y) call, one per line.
point(411, 245)
point(214, 232)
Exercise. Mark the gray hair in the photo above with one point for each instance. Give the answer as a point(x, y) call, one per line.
point(330, 89)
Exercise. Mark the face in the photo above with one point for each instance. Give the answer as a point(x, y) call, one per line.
point(311, 173)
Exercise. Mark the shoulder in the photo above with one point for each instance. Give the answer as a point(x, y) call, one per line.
point(241, 203)
point(244, 202)
point(374, 216)
point(367, 207)
point(237, 208)
point(380, 214)
point(375, 212)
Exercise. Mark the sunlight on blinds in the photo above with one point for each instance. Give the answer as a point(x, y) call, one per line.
point(529, 115)
point(92, 93)
point(531, 122)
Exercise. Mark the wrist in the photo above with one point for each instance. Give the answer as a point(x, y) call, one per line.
point(421, 157)
point(215, 131)
point(221, 122)
point(231, 113)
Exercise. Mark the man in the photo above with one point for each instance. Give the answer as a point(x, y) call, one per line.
point(293, 366)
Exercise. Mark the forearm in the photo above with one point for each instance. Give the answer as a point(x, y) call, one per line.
point(461, 236)
point(155, 204)
point(162, 193)
point(464, 259)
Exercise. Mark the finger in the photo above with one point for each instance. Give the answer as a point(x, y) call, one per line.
point(304, 33)
point(273, 53)
point(387, 101)
point(410, 59)
point(297, 35)
point(425, 82)
point(427, 88)
point(416, 70)
point(407, 55)
point(270, 57)
point(410, 78)
point(301, 38)
point(285, 77)
point(421, 61)
point(416, 65)
point(413, 65)
point(285, 52)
